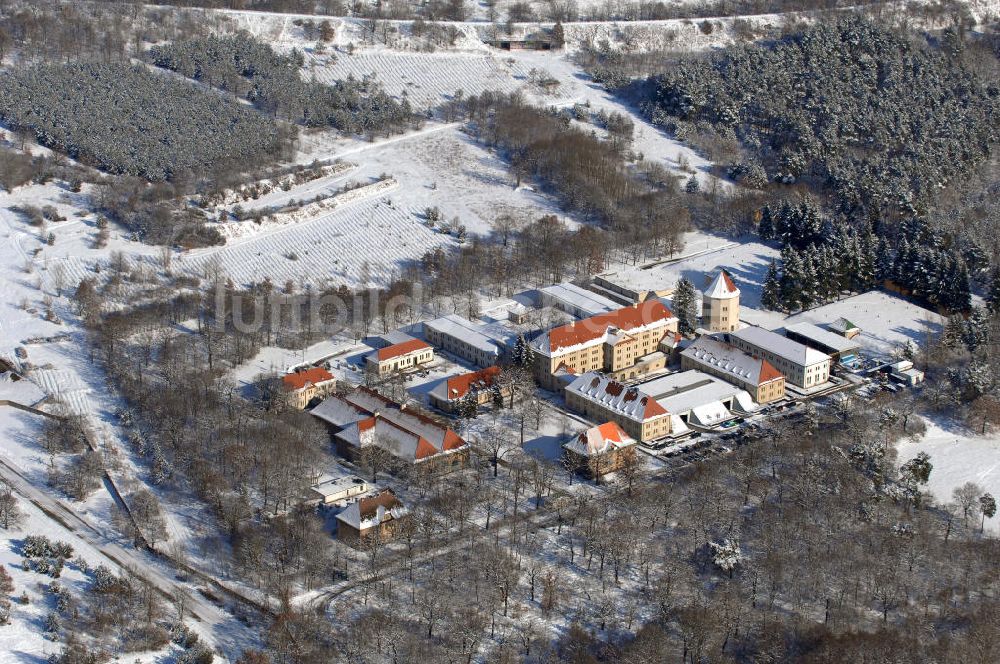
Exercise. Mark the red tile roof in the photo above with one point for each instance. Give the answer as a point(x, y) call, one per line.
point(768, 372)
point(588, 329)
point(653, 408)
point(299, 379)
point(452, 441)
point(600, 439)
point(611, 432)
point(729, 282)
point(403, 348)
point(424, 449)
point(387, 499)
point(567, 368)
point(458, 386)
point(429, 437)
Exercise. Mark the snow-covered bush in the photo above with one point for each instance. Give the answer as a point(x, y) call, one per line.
point(726, 555)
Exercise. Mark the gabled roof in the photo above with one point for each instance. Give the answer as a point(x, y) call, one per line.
point(696, 392)
point(605, 327)
point(579, 299)
point(742, 366)
point(338, 412)
point(722, 286)
point(373, 509)
point(824, 340)
point(404, 348)
point(780, 345)
point(300, 379)
point(671, 339)
point(488, 338)
point(631, 402)
point(843, 325)
point(456, 387)
point(600, 439)
point(367, 418)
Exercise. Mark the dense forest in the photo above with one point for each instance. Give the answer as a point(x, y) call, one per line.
point(879, 132)
point(877, 136)
point(249, 68)
point(127, 120)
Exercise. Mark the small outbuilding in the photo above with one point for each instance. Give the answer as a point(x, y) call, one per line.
point(375, 515)
point(600, 450)
point(331, 490)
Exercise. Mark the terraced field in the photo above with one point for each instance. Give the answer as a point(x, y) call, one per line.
point(427, 79)
point(334, 248)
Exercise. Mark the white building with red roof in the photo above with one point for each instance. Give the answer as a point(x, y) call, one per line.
point(400, 357)
point(364, 417)
point(612, 342)
point(603, 398)
point(670, 405)
point(448, 393)
point(600, 450)
point(751, 372)
point(304, 385)
point(720, 304)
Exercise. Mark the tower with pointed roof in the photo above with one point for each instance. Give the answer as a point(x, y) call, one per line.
point(720, 304)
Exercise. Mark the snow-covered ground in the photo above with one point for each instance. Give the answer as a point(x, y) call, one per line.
point(702, 256)
point(23, 640)
point(332, 248)
point(887, 321)
point(437, 166)
point(38, 276)
point(958, 456)
point(425, 79)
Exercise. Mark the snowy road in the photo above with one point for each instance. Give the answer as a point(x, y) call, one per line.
point(215, 624)
point(103, 541)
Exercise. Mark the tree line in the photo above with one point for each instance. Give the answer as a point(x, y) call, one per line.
point(821, 261)
point(249, 68)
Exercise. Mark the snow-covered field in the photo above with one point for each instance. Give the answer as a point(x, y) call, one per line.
point(426, 79)
point(332, 248)
point(702, 256)
point(958, 456)
point(437, 166)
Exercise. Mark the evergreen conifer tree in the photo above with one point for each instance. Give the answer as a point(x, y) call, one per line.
point(770, 297)
point(765, 229)
point(791, 279)
point(522, 353)
point(685, 305)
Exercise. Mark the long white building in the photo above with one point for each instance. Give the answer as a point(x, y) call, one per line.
point(483, 345)
point(659, 407)
point(577, 302)
point(801, 365)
